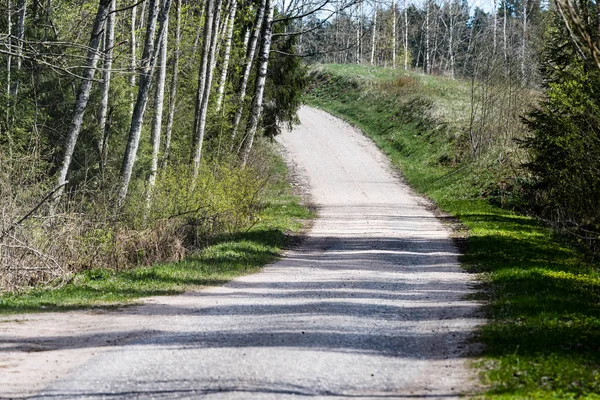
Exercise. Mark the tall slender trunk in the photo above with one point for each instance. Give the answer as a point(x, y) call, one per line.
point(427, 62)
point(159, 96)
point(495, 27)
point(226, 56)
point(250, 50)
point(358, 34)
point(133, 64)
point(8, 60)
point(148, 63)
point(373, 37)
point(83, 95)
point(451, 41)
point(173, 90)
point(109, 41)
point(405, 36)
point(524, 42)
point(434, 52)
point(204, 66)
point(211, 26)
point(261, 77)
point(504, 35)
point(394, 34)
point(20, 37)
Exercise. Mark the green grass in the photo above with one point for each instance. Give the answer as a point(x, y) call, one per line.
point(543, 294)
point(226, 258)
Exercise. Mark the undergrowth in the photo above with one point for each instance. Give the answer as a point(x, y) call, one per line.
point(542, 339)
point(222, 256)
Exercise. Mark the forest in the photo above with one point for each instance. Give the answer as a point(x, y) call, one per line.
point(133, 130)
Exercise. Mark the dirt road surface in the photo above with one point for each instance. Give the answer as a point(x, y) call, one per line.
point(371, 305)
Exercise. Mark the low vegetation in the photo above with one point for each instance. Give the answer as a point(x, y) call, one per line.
point(542, 290)
point(242, 224)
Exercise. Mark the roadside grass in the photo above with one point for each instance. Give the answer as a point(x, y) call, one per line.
point(542, 339)
point(227, 257)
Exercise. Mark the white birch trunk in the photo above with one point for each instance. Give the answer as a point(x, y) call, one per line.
point(451, 41)
point(148, 63)
point(373, 37)
point(173, 90)
point(250, 50)
point(205, 79)
point(394, 34)
point(405, 36)
point(8, 60)
point(20, 37)
point(109, 41)
point(159, 96)
point(83, 95)
point(495, 27)
point(263, 63)
point(133, 61)
point(427, 61)
point(524, 42)
point(504, 36)
point(226, 56)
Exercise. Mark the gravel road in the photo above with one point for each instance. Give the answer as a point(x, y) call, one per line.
point(371, 305)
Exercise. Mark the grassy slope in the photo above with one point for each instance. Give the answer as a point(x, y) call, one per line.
point(543, 338)
point(220, 262)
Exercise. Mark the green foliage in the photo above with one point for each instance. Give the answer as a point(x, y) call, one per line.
point(565, 141)
point(227, 255)
point(542, 294)
point(286, 82)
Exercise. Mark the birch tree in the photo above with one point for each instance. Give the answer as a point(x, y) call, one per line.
point(173, 88)
point(226, 55)
point(83, 95)
point(148, 63)
point(374, 36)
point(261, 77)
point(251, 49)
point(159, 96)
point(20, 39)
point(109, 42)
point(211, 25)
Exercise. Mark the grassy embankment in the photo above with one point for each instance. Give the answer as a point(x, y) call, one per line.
point(543, 335)
point(226, 258)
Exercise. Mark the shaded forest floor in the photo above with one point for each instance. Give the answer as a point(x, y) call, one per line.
point(542, 290)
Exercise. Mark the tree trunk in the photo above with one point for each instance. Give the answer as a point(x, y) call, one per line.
point(451, 41)
point(524, 42)
point(405, 36)
point(373, 37)
point(109, 41)
point(495, 27)
point(251, 49)
point(20, 36)
point(148, 63)
point(261, 77)
point(133, 64)
point(427, 62)
point(394, 34)
point(83, 95)
point(8, 61)
point(504, 35)
point(159, 96)
point(173, 90)
point(226, 56)
point(211, 26)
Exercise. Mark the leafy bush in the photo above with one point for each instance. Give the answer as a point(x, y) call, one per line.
point(86, 233)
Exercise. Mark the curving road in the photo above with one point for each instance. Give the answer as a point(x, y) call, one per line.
point(371, 305)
